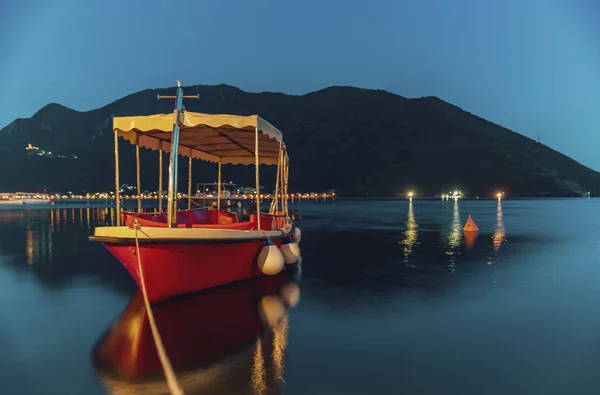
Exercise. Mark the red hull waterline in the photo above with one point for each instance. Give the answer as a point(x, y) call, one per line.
point(187, 259)
point(177, 269)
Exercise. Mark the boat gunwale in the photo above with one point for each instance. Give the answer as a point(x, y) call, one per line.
point(161, 235)
point(113, 240)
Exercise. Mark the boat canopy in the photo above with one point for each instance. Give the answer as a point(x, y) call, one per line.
point(211, 137)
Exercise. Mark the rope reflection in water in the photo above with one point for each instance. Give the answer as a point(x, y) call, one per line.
point(229, 340)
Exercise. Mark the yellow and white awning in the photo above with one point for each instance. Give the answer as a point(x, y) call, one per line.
point(211, 137)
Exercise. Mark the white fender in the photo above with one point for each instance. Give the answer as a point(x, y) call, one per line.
point(270, 259)
point(297, 234)
point(291, 252)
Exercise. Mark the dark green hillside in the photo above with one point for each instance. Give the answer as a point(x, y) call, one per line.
point(356, 141)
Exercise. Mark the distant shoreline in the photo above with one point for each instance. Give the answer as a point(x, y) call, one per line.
point(147, 205)
point(349, 198)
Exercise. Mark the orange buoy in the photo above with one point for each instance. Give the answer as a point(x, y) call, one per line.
point(470, 225)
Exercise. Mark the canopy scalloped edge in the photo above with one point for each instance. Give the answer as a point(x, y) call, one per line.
point(143, 131)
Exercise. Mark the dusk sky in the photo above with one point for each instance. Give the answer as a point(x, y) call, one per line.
point(530, 65)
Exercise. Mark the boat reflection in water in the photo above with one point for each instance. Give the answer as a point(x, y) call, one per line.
point(231, 340)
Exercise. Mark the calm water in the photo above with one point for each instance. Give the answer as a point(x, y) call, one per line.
point(393, 300)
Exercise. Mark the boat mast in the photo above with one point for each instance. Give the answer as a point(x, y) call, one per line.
point(160, 176)
point(117, 186)
point(256, 166)
point(190, 181)
point(172, 193)
point(219, 188)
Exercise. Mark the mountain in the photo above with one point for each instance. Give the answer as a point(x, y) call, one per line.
point(356, 141)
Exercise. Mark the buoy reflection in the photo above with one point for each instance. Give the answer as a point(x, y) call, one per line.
point(232, 340)
point(470, 238)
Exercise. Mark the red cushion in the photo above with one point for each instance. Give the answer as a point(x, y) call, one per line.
point(190, 219)
point(235, 226)
point(223, 217)
point(266, 222)
point(201, 217)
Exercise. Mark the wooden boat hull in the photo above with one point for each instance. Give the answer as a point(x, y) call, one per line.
point(210, 339)
point(181, 261)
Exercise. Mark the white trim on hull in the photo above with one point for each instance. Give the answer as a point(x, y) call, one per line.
point(191, 234)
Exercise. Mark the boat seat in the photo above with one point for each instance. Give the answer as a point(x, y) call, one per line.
point(201, 217)
point(154, 224)
point(224, 217)
point(279, 218)
point(234, 225)
point(189, 219)
point(267, 222)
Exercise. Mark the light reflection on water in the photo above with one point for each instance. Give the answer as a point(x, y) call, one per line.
point(395, 297)
point(411, 232)
point(454, 237)
point(40, 225)
point(499, 233)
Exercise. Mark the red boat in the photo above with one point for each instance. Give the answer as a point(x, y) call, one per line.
point(195, 249)
point(228, 340)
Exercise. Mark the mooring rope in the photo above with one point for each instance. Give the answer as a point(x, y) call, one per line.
point(172, 382)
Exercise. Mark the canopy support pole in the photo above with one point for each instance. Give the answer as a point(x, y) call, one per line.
point(219, 188)
point(275, 201)
point(160, 176)
point(282, 181)
point(139, 182)
point(285, 189)
point(190, 183)
point(117, 191)
point(256, 165)
point(173, 171)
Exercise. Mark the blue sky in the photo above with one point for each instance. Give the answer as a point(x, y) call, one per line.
point(530, 65)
